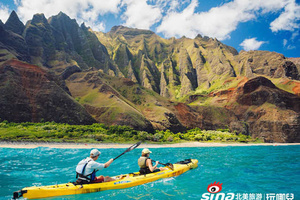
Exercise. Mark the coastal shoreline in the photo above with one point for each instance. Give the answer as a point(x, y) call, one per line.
point(32, 145)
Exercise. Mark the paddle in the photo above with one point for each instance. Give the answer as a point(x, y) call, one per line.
point(129, 149)
point(168, 165)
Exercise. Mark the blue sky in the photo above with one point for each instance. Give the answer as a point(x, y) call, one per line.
point(272, 25)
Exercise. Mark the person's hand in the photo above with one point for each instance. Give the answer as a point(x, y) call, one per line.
point(108, 163)
point(156, 163)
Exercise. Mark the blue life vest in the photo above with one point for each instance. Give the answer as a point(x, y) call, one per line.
point(80, 171)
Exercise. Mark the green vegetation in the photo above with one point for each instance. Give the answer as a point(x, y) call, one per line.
point(97, 133)
point(5, 55)
point(283, 84)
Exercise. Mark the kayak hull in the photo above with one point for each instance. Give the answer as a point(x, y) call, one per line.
point(123, 181)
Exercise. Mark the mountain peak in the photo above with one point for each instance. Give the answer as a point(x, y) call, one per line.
point(62, 17)
point(198, 36)
point(62, 14)
point(39, 18)
point(84, 27)
point(123, 30)
point(14, 24)
point(116, 28)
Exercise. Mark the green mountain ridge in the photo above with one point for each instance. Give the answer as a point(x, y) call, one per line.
point(134, 77)
point(177, 67)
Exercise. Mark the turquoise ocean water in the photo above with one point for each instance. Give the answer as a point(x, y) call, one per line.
point(242, 170)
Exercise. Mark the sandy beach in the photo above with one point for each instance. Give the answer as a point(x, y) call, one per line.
point(31, 145)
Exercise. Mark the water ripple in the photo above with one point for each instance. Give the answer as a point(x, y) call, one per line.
point(256, 169)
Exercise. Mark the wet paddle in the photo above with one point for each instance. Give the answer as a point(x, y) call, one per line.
point(168, 165)
point(129, 149)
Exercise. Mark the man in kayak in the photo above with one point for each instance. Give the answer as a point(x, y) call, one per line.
point(87, 168)
point(145, 163)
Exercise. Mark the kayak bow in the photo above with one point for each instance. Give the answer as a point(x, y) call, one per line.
point(122, 181)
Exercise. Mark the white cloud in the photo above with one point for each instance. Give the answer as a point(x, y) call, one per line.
point(284, 42)
point(96, 26)
point(288, 46)
point(174, 5)
point(291, 47)
point(251, 44)
point(174, 18)
point(219, 21)
point(170, 5)
point(179, 23)
point(4, 13)
point(288, 20)
point(139, 14)
point(294, 35)
point(87, 11)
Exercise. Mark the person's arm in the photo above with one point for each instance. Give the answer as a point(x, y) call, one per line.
point(108, 163)
point(149, 164)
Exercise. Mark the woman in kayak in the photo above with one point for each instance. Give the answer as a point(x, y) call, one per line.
point(145, 163)
point(87, 168)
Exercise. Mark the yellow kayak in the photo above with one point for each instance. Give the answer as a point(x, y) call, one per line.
point(122, 181)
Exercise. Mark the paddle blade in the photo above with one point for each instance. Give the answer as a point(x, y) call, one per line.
point(134, 146)
point(170, 166)
point(167, 165)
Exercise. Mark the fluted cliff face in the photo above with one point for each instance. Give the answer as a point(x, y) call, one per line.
point(172, 67)
point(12, 45)
point(266, 63)
point(30, 93)
point(14, 24)
point(39, 38)
point(178, 67)
point(57, 43)
point(268, 112)
point(134, 77)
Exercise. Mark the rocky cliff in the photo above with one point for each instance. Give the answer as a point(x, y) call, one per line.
point(179, 67)
point(58, 43)
point(265, 111)
point(14, 24)
point(272, 114)
point(30, 93)
point(134, 77)
point(12, 45)
point(174, 68)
